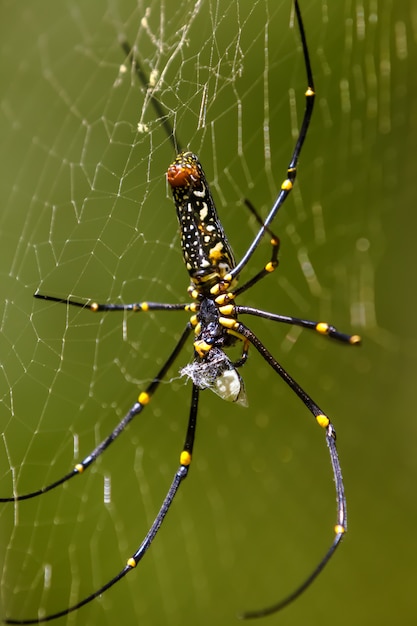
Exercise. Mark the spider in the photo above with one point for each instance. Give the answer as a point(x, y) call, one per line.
point(215, 323)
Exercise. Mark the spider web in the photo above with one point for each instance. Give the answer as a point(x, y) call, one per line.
point(86, 212)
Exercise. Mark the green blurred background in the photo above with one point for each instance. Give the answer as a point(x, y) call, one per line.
point(85, 211)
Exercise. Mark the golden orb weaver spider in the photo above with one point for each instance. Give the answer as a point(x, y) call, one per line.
point(215, 323)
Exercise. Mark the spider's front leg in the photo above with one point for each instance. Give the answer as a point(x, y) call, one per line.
point(135, 307)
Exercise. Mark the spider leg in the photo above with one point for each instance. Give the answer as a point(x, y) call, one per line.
point(253, 210)
point(323, 328)
point(143, 399)
point(245, 354)
point(132, 562)
point(267, 269)
point(143, 78)
point(135, 307)
point(323, 421)
point(288, 183)
point(273, 261)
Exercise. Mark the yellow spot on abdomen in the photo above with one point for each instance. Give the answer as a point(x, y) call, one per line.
point(215, 252)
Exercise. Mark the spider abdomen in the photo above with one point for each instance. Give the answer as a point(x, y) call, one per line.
point(207, 253)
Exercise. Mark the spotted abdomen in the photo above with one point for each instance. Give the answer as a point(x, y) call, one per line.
point(207, 253)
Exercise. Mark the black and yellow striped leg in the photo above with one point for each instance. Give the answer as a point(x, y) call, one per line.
point(181, 473)
point(245, 354)
point(135, 307)
point(323, 421)
point(143, 399)
point(323, 328)
point(273, 261)
point(268, 269)
point(132, 562)
point(288, 183)
point(339, 529)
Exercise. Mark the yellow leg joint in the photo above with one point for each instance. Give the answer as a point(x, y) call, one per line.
point(185, 458)
point(227, 309)
point(193, 293)
point(355, 339)
point(322, 328)
point(144, 397)
point(322, 420)
point(94, 306)
point(202, 347)
point(238, 335)
point(131, 562)
point(225, 298)
point(310, 92)
point(339, 529)
point(269, 267)
point(215, 289)
point(194, 320)
point(79, 468)
point(286, 185)
point(229, 322)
